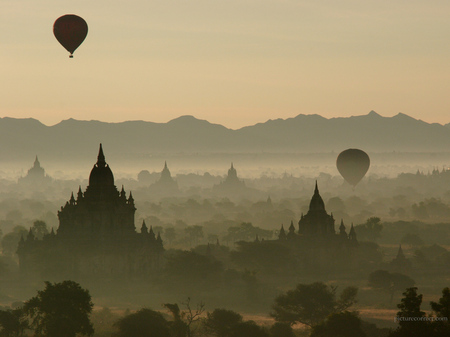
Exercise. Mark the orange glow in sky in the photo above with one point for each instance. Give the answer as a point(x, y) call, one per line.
point(231, 62)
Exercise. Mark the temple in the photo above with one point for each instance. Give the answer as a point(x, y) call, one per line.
point(165, 185)
point(35, 175)
point(96, 235)
point(317, 224)
point(232, 185)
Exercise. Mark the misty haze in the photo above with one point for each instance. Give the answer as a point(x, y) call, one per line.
point(238, 229)
point(224, 168)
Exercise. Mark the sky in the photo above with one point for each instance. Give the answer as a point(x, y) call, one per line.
point(231, 62)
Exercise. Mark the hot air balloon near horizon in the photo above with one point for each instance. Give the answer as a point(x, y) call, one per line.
point(70, 30)
point(353, 165)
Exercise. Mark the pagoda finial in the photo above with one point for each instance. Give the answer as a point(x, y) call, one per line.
point(79, 194)
point(165, 164)
point(72, 199)
point(130, 199)
point(158, 239)
point(101, 157)
point(400, 254)
point(36, 163)
point(144, 229)
point(152, 233)
point(316, 190)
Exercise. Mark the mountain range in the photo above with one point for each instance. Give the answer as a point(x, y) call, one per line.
point(72, 138)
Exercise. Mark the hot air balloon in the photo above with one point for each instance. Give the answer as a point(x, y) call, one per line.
point(353, 164)
point(70, 30)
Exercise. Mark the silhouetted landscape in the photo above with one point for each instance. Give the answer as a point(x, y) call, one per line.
point(201, 250)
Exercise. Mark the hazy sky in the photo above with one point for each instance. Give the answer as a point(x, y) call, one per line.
point(233, 62)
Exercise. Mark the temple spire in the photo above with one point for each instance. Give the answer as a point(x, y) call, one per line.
point(400, 254)
point(36, 162)
point(152, 233)
point(144, 229)
point(72, 199)
point(101, 157)
point(79, 194)
point(316, 190)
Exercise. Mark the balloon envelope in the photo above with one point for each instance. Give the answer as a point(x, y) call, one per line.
point(70, 30)
point(353, 164)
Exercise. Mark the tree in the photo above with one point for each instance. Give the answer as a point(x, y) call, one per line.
point(191, 269)
point(442, 309)
point(389, 282)
point(248, 329)
point(170, 234)
point(371, 230)
point(11, 240)
point(194, 233)
point(61, 310)
point(410, 317)
point(220, 322)
point(269, 256)
point(343, 324)
point(279, 329)
point(39, 229)
point(183, 320)
point(13, 323)
point(311, 304)
point(143, 323)
point(246, 232)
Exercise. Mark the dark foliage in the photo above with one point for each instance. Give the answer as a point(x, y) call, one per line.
point(311, 304)
point(144, 323)
point(221, 322)
point(61, 310)
point(343, 324)
point(13, 323)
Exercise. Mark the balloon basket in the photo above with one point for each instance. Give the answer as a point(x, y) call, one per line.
point(71, 56)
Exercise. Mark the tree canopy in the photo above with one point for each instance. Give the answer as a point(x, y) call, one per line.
point(143, 323)
point(389, 282)
point(12, 323)
point(221, 321)
point(410, 317)
point(311, 304)
point(343, 324)
point(61, 310)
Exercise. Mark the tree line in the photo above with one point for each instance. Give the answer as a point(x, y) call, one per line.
point(64, 310)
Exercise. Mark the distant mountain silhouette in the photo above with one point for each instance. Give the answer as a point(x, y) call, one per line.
point(304, 133)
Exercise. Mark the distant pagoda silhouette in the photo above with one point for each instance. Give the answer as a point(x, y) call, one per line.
point(35, 175)
point(231, 184)
point(165, 185)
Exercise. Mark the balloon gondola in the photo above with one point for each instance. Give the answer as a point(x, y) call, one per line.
point(353, 165)
point(70, 30)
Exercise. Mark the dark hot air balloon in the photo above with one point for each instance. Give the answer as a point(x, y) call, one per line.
point(70, 30)
point(353, 164)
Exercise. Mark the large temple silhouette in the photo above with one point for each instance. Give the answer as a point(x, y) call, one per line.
point(96, 235)
point(318, 225)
